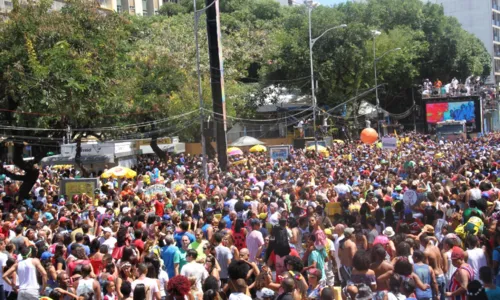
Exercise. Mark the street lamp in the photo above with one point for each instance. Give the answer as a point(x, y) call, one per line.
point(310, 5)
point(376, 33)
point(197, 14)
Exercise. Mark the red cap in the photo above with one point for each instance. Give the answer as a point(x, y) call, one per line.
point(457, 253)
point(63, 219)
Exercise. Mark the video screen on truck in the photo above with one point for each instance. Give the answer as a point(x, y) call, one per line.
point(443, 111)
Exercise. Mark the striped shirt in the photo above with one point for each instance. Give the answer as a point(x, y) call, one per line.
point(455, 285)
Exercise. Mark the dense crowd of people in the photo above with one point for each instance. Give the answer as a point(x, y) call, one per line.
point(359, 222)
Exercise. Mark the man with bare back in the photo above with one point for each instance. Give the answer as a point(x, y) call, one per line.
point(380, 266)
point(347, 249)
point(435, 260)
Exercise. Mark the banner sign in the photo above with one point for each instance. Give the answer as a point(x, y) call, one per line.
point(71, 187)
point(390, 143)
point(155, 189)
point(279, 152)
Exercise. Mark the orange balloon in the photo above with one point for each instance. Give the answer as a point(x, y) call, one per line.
point(369, 136)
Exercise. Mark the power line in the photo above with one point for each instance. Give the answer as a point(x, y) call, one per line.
point(261, 120)
point(111, 128)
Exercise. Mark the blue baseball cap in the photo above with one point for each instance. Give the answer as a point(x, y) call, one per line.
point(46, 255)
point(166, 217)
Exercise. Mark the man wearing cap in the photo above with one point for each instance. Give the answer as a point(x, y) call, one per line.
point(275, 215)
point(108, 239)
point(457, 288)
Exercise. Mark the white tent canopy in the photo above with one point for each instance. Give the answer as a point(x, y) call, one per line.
point(246, 141)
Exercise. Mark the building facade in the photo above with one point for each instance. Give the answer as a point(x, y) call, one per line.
point(134, 7)
point(481, 18)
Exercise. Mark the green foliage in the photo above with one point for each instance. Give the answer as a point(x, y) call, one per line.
point(86, 68)
point(170, 9)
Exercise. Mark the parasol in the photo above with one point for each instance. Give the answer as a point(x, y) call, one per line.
point(119, 172)
point(258, 148)
point(232, 151)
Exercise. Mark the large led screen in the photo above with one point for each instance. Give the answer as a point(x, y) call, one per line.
point(443, 111)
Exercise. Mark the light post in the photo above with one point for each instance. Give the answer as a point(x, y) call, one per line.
point(310, 5)
point(375, 60)
point(197, 14)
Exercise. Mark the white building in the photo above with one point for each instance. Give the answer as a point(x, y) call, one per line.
point(481, 18)
point(134, 7)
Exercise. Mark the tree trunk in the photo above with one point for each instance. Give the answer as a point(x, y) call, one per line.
point(78, 158)
point(154, 145)
point(30, 173)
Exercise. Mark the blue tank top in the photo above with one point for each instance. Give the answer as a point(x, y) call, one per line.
point(204, 230)
point(425, 276)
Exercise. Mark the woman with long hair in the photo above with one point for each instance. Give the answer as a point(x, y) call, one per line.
point(194, 291)
point(125, 274)
point(59, 253)
point(228, 241)
point(361, 273)
point(211, 288)
point(81, 259)
point(178, 288)
point(212, 265)
point(96, 257)
point(239, 234)
point(296, 238)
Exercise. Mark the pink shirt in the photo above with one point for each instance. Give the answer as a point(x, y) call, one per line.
point(254, 241)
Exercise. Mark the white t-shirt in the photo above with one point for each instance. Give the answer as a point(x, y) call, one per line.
point(148, 282)
point(163, 277)
point(231, 203)
point(476, 260)
point(341, 188)
point(239, 296)
point(109, 242)
point(196, 270)
point(3, 262)
point(274, 218)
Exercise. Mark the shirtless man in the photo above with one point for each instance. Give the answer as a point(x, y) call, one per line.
point(434, 259)
point(380, 266)
point(347, 249)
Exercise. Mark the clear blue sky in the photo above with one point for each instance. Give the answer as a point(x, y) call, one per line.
point(330, 2)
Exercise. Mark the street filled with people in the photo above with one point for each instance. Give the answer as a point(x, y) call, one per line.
point(354, 222)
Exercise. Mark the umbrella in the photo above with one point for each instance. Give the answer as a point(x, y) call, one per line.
point(246, 141)
point(60, 167)
point(239, 162)
point(339, 141)
point(321, 149)
point(234, 151)
point(258, 148)
point(119, 172)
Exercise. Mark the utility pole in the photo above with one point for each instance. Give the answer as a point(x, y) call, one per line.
point(309, 9)
point(197, 14)
point(414, 109)
point(310, 5)
point(217, 78)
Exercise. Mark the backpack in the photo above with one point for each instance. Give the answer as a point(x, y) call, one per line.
point(473, 226)
point(364, 292)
